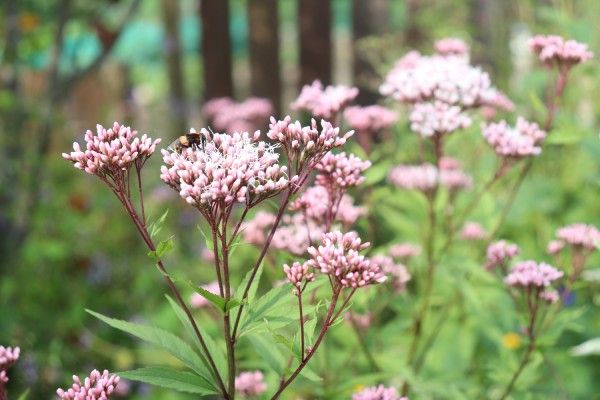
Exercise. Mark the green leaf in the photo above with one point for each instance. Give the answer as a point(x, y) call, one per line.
point(156, 226)
point(207, 240)
point(566, 135)
point(217, 352)
point(215, 299)
point(268, 352)
point(163, 248)
point(170, 379)
point(273, 306)
point(253, 288)
point(24, 395)
point(165, 340)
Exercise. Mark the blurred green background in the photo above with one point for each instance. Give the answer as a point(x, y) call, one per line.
point(66, 65)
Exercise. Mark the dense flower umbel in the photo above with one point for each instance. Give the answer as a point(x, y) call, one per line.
point(298, 274)
point(580, 236)
point(315, 201)
point(550, 296)
point(98, 386)
point(339, 257)
point(370, 119)
point(500, 253)
point(341, 170)
point(530, 273)
point(553, 50)
point(521, 141)
point(250, 383)
point(451, 46)
point(378, 393)
point(397, 273)
point(324, 102)
point(226, 169)
point(451, 80)
point(8, 356)
point(426, 177)
point(111, 151)
point(228, 116)
point(405, 250)
point(472, 231)
point(497, 102)
point(306, 145)
point(437, 118)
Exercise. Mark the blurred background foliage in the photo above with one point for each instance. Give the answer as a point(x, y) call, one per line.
point(67, 246)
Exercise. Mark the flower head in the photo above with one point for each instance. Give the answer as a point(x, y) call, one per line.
point(250, 383)
point(451, 47)
point(228, 116)
point(580, 236)
point(341, 170)
point(530, 273)
point(472, 231)
point(98, 386)
point(553, 49)
point(378, 393)
point(550, 296)
point(405, 250)
point(397, 273)
point(315, 202)
point(324, 102)
point(8, 356)
point(371, 119)
point(437, 118)
point(499, 253)
point(298, 274)
point(426, 177)
point(111, 151)
point(339, 256)
point(521, 141)
point(226, 169)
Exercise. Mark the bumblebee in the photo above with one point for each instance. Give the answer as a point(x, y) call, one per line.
point(192, 139)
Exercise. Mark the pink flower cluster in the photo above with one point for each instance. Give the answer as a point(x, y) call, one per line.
point(397, 273)
point(370, 119)
point(530, 273)
point(437, 118)
point(580, 236)
point(8, 356)
point(452, 80)
point(362, 321)
point(110, 151)
point(298, 274)
point(550, 296)
point(98, 386)
point(472, 231)
point(553, 49)
point(500, 253)
point(339, 257)
point(555, 246)
point(228, 116)
point(227, 168)
point(306, 144)
point(199, 301)
point(250, 383)
point(324, 102)
point(404, 250)
point(378, 393)
point(451, 47)
point(426, 177)
point(315, 202)
point(341, 170)
point(521, 141)
point(497, 102)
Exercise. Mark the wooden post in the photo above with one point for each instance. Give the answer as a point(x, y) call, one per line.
point(314, 20)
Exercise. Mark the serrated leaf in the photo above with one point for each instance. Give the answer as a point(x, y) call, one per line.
point(163, 247)
point(156, 226)
point(273, 307)
point(171, 379)
point(253, 288)
point(215, 299)
point(165, 340)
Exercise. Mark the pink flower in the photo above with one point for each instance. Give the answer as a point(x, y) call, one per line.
point(8, 356)
point(451, 47)
point(324, 102)
point(229, 116)
point(378, 393)
point(397, 273)
point(553, 49)
point(555, 246)
point(499, 253)
point(550, 296)
point(362, 321)
point(341, 170)
point(405, 250)
point(298, 274)
point(521, 141)
point(580, 235)
point(447, 79)
point(226, 169)
point(199, 301)
point(96, 387)
point(250, 383)
point(420, 177)
point(371, 119)
point(339, 257)
point(530, 273)
point(110, 152)
point(437, 118)
point(307, 144)
point(254, 230)
point(315, 202)
point(472, 231)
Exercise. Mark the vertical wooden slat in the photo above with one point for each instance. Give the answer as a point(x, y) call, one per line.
point(314, 20)
point(265, 78)
point(216, 48)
